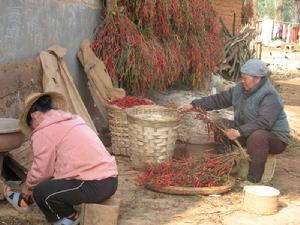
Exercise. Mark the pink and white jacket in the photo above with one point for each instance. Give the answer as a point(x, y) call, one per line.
point(65, 147)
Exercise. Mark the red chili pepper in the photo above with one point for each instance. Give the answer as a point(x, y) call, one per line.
point(188, 172)
point(130, 101)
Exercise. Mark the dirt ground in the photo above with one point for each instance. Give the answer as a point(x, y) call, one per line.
point(142, 206)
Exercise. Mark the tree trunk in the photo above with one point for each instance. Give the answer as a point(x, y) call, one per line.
point(278, 10)
point(297, 11)
point(255, 12)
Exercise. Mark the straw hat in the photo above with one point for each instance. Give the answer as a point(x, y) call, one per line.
point(58, 102)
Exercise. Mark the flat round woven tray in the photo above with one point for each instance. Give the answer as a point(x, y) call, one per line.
point(193, 190)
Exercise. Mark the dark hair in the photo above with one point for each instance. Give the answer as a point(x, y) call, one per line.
point(43, 104)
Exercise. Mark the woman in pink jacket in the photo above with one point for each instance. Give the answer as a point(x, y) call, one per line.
point(70, 163)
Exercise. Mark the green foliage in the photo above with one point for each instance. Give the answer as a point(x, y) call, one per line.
point(288, 9)
point(267, 8)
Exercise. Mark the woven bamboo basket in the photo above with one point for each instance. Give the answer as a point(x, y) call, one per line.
point(118, 126)
point(152, 134)
point(261, 200)
point(193, 190)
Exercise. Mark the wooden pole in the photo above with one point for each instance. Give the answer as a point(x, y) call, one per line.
point(297, 11)
point(279, 10)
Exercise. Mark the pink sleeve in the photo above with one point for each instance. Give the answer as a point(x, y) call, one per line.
point(42, 167)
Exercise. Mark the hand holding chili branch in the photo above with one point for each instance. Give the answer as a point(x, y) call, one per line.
point(232, 134)
point(185, 108)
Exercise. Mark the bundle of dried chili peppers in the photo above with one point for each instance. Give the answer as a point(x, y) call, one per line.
point(151, 44)
point(130, 101)
point(209, 171)
point(218, 129)
point(215, 127)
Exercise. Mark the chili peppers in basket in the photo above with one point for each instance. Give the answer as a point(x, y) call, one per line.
point(130, 101)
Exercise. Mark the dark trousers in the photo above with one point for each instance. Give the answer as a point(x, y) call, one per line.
point(56, 198)
point(259, 144)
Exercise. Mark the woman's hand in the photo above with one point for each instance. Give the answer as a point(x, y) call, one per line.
point(232, 134)
point(27, 194)
point(185, 108)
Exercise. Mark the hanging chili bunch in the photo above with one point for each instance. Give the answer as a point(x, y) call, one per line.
point(208, 171)
point(151, 44)
point(136, 62)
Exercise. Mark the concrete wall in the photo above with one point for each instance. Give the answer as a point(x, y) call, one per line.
point(91, 3)
point(18, 80)
point(29, 26)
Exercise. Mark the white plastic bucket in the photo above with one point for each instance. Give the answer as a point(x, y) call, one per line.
point(262, 200)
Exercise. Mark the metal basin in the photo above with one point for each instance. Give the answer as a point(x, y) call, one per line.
point(10, 135)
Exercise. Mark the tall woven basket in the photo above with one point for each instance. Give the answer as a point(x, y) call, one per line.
point(118, 126)
point(152, 134)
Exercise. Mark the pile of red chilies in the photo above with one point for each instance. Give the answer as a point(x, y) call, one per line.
point(205, 172)
point(130, 101)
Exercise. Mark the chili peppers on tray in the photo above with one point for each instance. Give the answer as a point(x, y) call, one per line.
point(187, 172)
